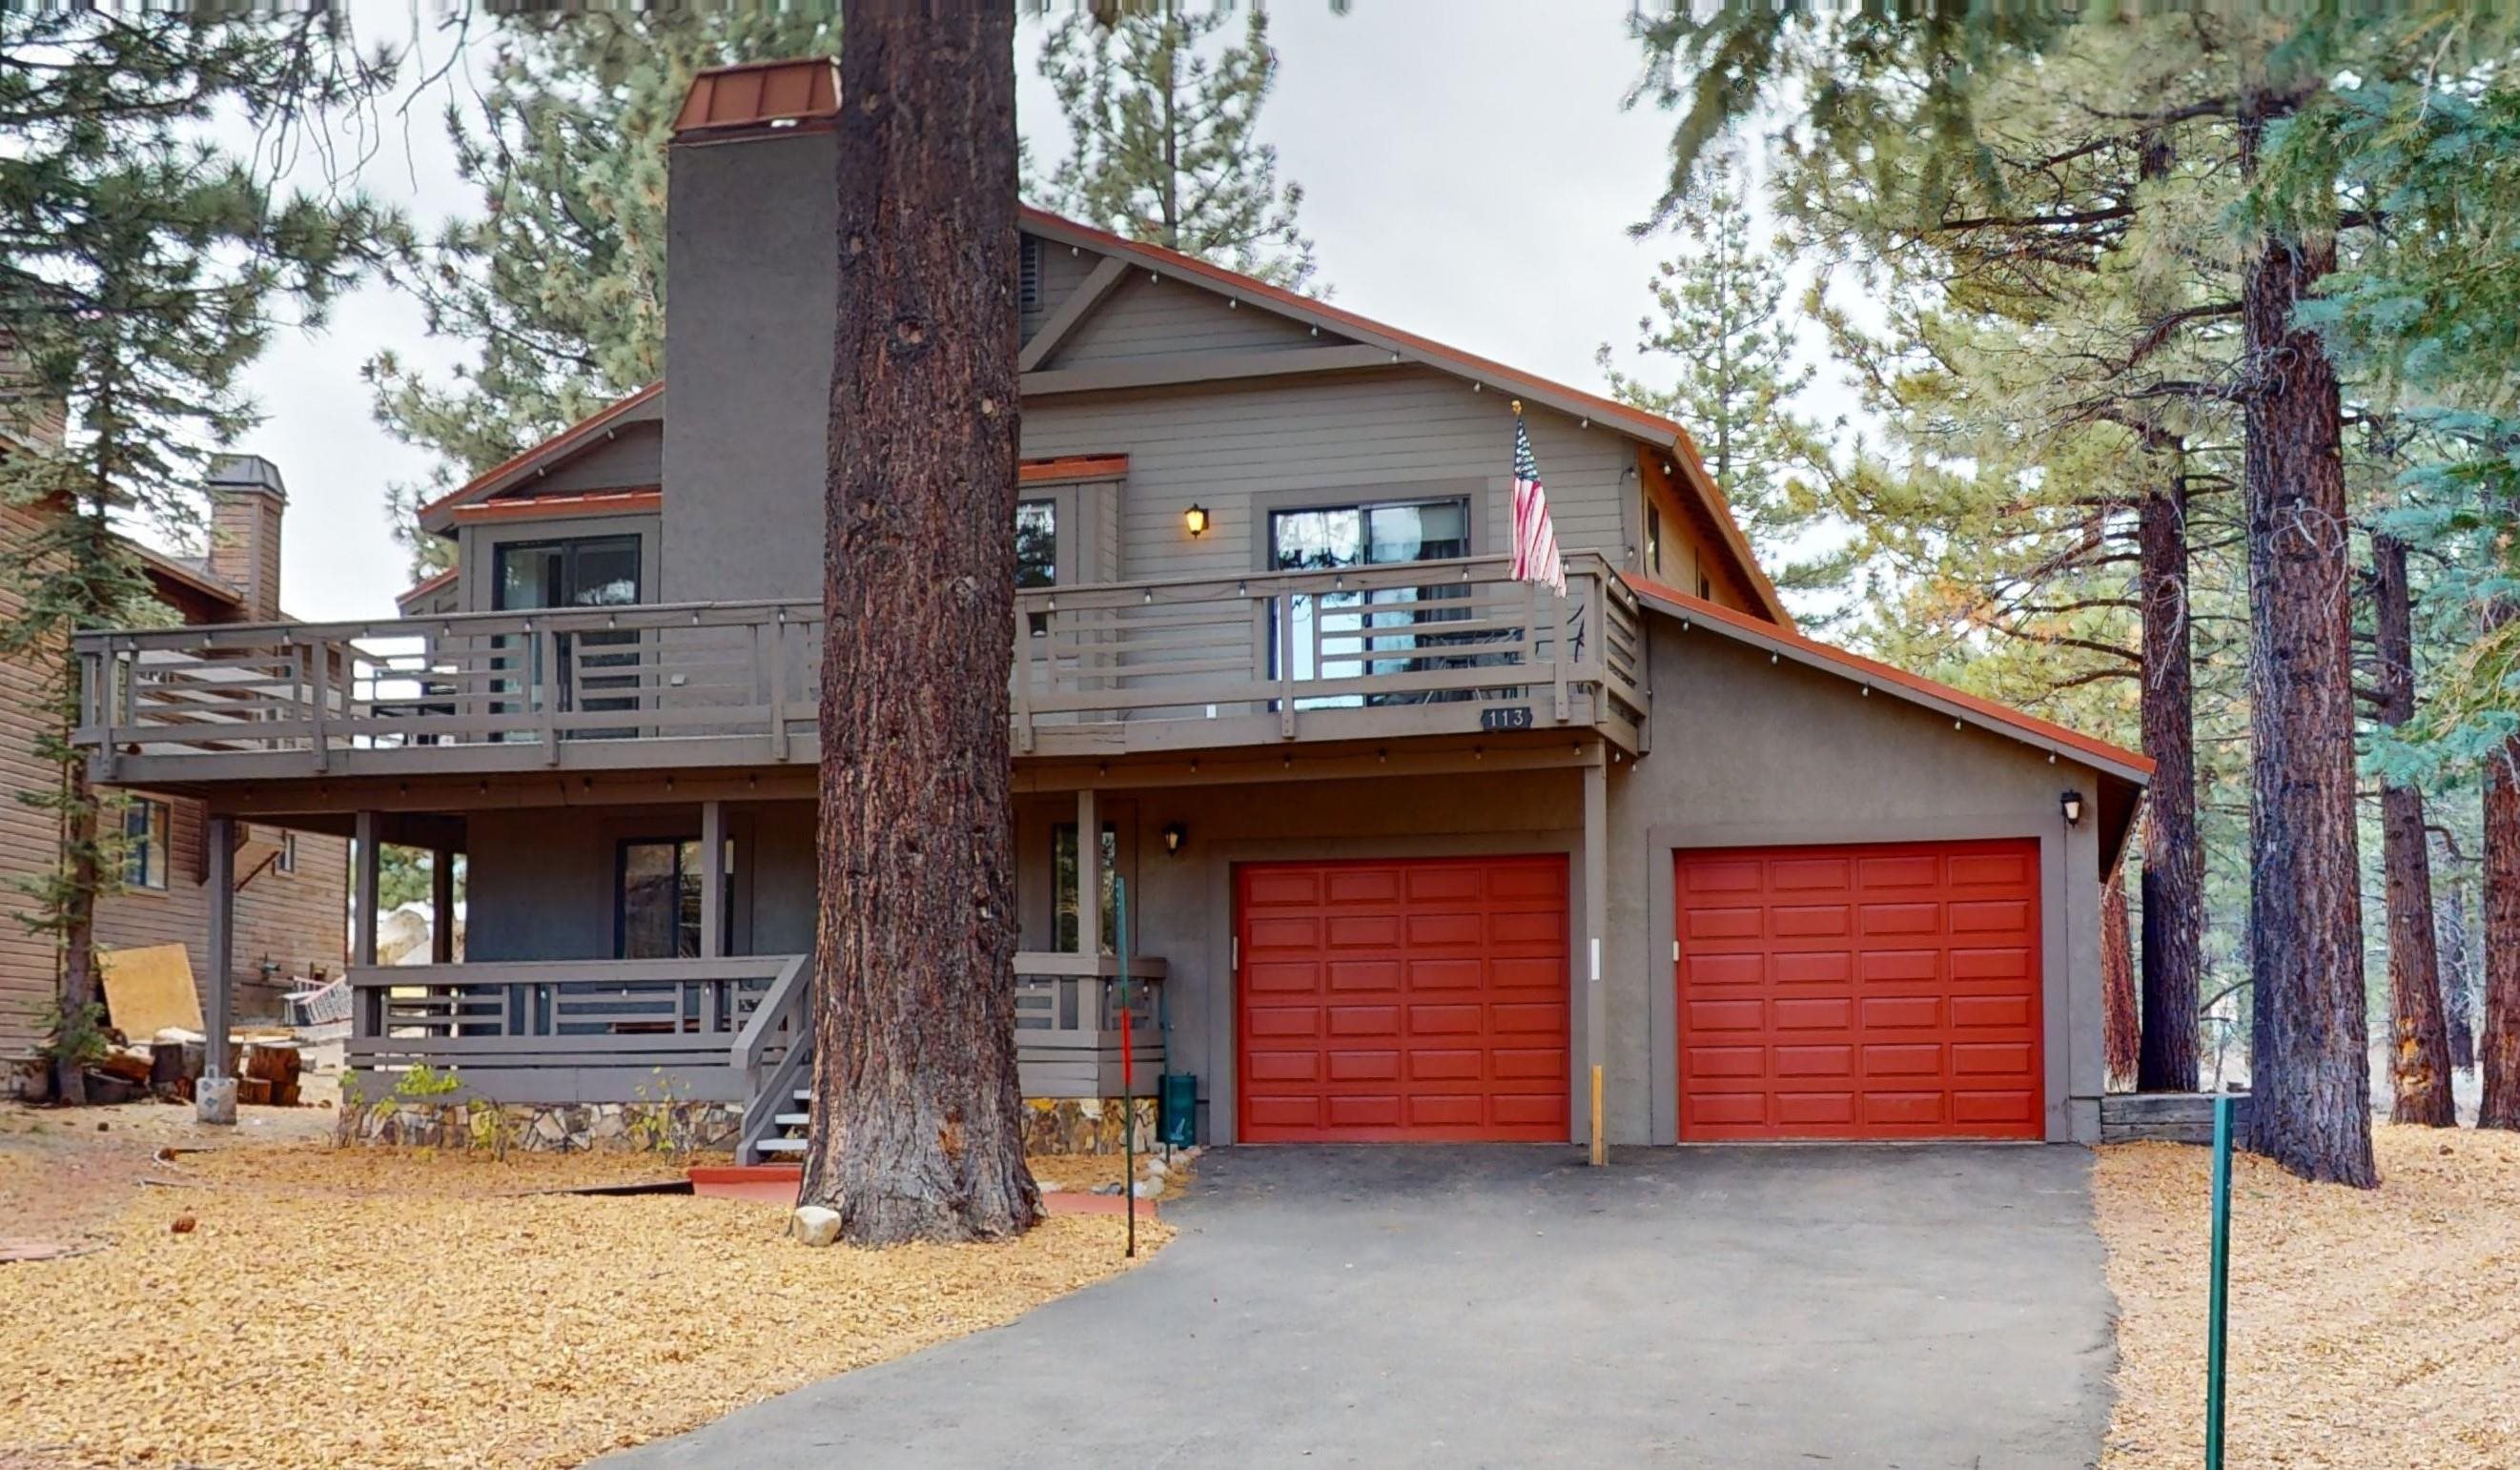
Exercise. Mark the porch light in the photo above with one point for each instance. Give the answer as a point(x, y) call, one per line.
point(1175, 835)
point(2072, 801)
point(1195, 518)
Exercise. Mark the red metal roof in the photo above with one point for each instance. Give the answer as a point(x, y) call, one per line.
point(424, 586)
point(760, 94)
point(1673, 600)
point(1072, 467)
point(626, 499)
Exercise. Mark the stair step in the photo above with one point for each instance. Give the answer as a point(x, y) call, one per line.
point(792, 1120)
point(804, 1094)
point(781, 1145)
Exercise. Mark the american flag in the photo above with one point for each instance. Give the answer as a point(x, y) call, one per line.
point(1535, 540)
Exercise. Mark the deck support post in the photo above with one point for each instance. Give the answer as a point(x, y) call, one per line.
point(1089, 872)
point(712, 880)
point(218, 1104)
point(441, 906)
point(1597, 913)
point(363, 935)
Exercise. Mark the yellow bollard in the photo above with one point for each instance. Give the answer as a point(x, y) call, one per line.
point(1600, 1150)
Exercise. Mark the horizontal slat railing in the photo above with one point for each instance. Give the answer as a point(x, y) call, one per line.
point(565, 1031)
point(1428, 646)
point(1068, 1024)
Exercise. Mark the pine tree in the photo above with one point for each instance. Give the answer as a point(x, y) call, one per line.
point(559, 282)
point(1721, 332)
point(1164, 140)
point(141, 270)
point(917, 1126)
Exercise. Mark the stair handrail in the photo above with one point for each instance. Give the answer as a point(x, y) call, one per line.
point(784, 1000)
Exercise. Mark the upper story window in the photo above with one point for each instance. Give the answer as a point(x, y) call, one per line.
point(1319, 538)
point(1653, 540)
point(147, 843)
point(287, 858)
point(593, 572)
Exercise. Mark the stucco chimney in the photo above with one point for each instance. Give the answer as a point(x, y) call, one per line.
point(752, 302)
point(247, 502)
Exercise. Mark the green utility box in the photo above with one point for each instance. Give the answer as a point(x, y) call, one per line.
point(1177, 1122)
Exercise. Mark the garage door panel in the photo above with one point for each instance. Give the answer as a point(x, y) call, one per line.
point(1357, 886)
point(1438, 993)
point(1363, 931)
point(1922, 1022)
point(1354, 976)
point(1831, 1014)
point(1902, 1013)
point(1365, 1066)
point(1804, 966)
point(1809, 922)
point(1363, 1020)
point(1813, 1109)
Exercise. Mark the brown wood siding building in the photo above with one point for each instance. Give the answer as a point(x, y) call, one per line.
point(297, 920)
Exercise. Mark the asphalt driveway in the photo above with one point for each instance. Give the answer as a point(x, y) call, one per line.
point(1858, 1307)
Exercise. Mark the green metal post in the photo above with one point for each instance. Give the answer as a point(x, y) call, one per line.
point(1128, 1070)
point(2218, 1294)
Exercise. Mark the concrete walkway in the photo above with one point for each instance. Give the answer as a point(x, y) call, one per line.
point(1907, 1306)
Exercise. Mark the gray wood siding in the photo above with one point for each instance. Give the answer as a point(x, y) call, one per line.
point(632, 457)
point(1063, 268)
point(1379, 432)
point(1143, 319)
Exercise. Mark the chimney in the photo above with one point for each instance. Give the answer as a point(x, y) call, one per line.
point(752, 300)
point(247, 500)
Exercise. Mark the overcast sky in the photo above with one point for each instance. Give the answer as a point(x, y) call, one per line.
point(1468, 175)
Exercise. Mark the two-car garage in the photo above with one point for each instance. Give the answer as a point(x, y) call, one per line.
point(1887, 991)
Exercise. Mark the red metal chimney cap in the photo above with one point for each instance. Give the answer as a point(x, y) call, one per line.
point(760, 94)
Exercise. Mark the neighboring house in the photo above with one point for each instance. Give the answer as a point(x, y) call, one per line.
point(289, 885)
point(1409, 847)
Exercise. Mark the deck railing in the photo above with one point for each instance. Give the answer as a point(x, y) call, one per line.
point(736, 1030)
point(1425, 647)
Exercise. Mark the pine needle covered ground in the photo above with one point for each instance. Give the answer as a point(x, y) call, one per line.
point(2368, 1328)
point(385, 1309)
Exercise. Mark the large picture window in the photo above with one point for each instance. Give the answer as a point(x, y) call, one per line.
point(1336, 634)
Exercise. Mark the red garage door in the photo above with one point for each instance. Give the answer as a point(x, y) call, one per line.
point(1420, 999)
point(1860, 991)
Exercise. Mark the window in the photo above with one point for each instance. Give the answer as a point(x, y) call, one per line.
point(1064, 887)
point(1705, 589)
point(147, 843)
point(596, 571)
point(1368, 534)
point(286, 862)
point(1653, 540)
point(658, 902)
point(1036, 552)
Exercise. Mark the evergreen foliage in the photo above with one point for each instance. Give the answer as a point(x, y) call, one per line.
point(1164, 141)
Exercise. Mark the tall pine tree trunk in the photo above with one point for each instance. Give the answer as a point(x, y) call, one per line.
point(2459, 977)
point(2118, 1022)
point(2174, 859)
point(2310, 1062)
point(2418, 1031)
point(2498, 1042)
point(917, 1117)
point(2417, 1027)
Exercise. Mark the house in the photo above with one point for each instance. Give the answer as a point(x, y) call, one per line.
point(288, 887)
point(1411, 848)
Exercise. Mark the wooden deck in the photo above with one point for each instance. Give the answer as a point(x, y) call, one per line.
point(1429, 648)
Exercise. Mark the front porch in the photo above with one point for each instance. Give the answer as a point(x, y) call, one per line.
point(734, 1032)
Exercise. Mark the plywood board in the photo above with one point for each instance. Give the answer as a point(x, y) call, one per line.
point(148, 989)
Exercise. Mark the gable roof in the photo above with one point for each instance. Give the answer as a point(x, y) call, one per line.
point(1960, 704)
point(639, 407)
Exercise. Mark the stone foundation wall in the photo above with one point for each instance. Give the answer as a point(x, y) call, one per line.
point(553, 1127)
point(1086, 1124)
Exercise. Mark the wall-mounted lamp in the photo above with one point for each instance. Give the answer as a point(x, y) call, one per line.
point(2072, 802)
point(1175, 835)
point(1195, 518)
